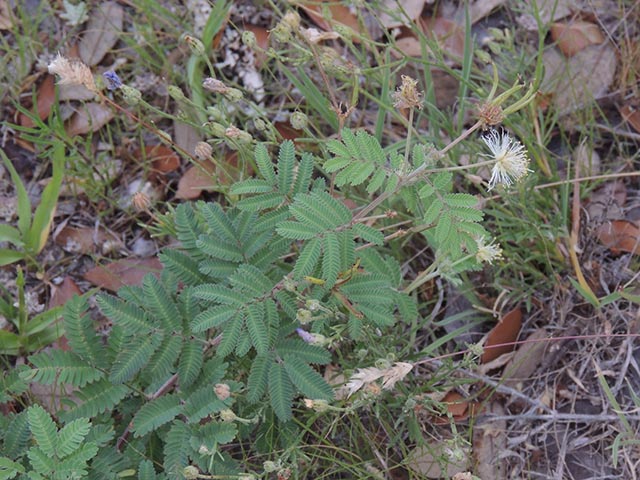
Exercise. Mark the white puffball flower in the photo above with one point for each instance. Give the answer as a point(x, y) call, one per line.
point(487, 252)
point(510, 156)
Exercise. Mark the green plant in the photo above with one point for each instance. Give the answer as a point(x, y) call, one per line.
point(31, 333)
point(33, 229)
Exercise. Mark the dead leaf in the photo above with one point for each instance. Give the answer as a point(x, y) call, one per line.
point(339, 14)
point(102, 32)
point(620, 236)
point(526, 359)
point(448, 34)
point(576, 81)
point(90, 117)
point(196, 179)
point(128, 271)
point(45, 98)
point(83, 240)
point(505, 332)
point(262, 41)
point(75, 92)
point(478, 9)
point(587, 159)
point(547, 10)
point(426, 460)
point(631, 115)
point(163, 159)
point(287, 131)
point(6, 16)
point(608, 201)
point(575, 36)
point(62, 293)
point(489, 441)
point(398, 13)
point(185, 136)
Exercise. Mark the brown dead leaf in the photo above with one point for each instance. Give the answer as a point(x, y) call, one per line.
point(631, 115)
point(45, 98)
point(163, 159)
point(505, 332)
point(526, 359)
point(448, 34)
point(185, 136)
point(75, 92)
point(339, 14)
point(398, 13)
point(607, 202)
point(196, 179)
point(103, 30)
point(90, 117)
point(287, 131)
point(547, 10)
point(62, 293)
point(262, 41)
point(83, 240)
point(489, 441)
point(575, 36)
point(576, 81)
point(426, 461)
point(128, 271)
point(620, 236)
point(7, 18)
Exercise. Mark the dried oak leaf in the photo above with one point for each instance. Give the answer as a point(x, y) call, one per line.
point(128, 271)
point(575, 36)
point(505, 332)
point(90, 117)
point(102, 32)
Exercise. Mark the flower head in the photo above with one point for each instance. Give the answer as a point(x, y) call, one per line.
point(407, 95)
point(510, 156)
point(487, 252)
point(72, 72)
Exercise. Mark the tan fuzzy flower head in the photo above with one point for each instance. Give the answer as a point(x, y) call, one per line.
point(487, 252)
point(72, 72)
point(407, 95)
point(510, 156)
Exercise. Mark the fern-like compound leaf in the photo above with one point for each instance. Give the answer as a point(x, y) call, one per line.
point(203, 402)
point(294, 347)
point(71, 437)
point(146, 470)
point(309, 382)
point(220, 226)
point(280, 392)
point(161, 304)
point(213, 317)
point(232, 332)
point(331, 259)
point(258, 328)
point(251, 185)
point(80, 332)
point(308, 258)
point(187, 226)
point(286, 166)
point(369, 234)
point(42, 463)
point(190, 363)
point(261, 202)
point(94, 398)
point(134, 355)
point(258, 375)
point(43, 429)
point(182, 266)
point(219, 249)
point(264, 163)
point(216, 433)
point(251, 281)
point(133, 318)
point(219, 293)
point(60, 367)
point(297, 230)
point(176, 449)
point(156, 413)
point(163, 360)
point(303, 175)
point(16, 435)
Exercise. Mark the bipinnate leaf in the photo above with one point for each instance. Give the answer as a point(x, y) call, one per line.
point(80, 331)
point(294, 347)
point(176, 449)
point(286, 166)
point(264, 163)
point(257, 381)
point(331, 259)
point(42, 463)
point(156, 413)
point(9, 468)
point(308, 258)
point(190, 363)
point(94, 398)
point(133, 356)
point(71, 436)
point(60, 367)
point(257, 327)
point(369, 234)
point(280, 392)
point(307, 380)
point(43, 429)
point(146, 470)
point(133, 318)
point(161, 304)
point(213, 317)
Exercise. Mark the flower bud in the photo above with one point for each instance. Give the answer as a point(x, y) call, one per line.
point(216, 129)
point(112, 80)
point(131, 96)
point(196, 46)
point(304, 316)
point(203, 150)
point(249, 39)
point(176, 93)
point(240, 136)
point(233, 94)
point(270, 466)
point(298, 120)
point(140, 201)
point(190, 472)
point(222, 391)
point(312, 304)
point(227, 415)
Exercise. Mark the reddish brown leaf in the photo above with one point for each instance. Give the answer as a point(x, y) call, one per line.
point(287, 131)
point(262, 39)
point(575, 36)
point(83, 240)
point(45, 98)
point(91, 117)
point(63, 292)
point(505, 332)
point(128, 271)
point(632, 116)
point(163, 159)
point(620, 236)
point(195, 180)
point(339, 14)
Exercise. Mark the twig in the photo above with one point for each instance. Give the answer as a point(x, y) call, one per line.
point(560, 417)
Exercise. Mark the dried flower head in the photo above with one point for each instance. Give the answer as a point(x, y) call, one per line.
point(203, 151)
point(487, 252)
point(141, 201)
point(222, 391)
point(72, 72)
point(214, 85)
point(510, 156)
point(407, 95)
point(490, 114)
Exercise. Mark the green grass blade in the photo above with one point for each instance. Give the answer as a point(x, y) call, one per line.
point(24, 205)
